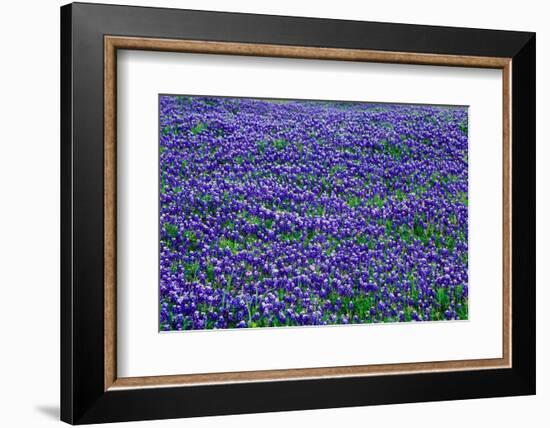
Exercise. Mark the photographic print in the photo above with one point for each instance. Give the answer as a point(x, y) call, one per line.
point(276, 212)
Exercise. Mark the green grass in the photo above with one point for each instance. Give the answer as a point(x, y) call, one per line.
point(229, 244)
point(261, 146)
point(171, 230)
point(229, 225)
point(192, 239)
point(191, 270)
point(377, 201)
point(399, 195)
point(198, 128)
point(280, 144)
point(442, 298)
point(291, 236)
point(210, 272)
point(354, 201)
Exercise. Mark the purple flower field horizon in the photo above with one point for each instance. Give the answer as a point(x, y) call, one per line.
point(297, 213)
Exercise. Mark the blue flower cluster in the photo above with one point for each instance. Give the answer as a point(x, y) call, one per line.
point(288, 213)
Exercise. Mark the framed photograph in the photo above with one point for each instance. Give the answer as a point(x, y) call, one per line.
point(265, 213)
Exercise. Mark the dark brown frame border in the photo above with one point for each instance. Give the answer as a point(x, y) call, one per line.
point(84, 397)
point(114, 43)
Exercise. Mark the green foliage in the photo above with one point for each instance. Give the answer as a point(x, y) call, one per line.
point(335, 169)
point(377, 201)
point(396, 151)
point(261, 146)
point(399, 195)
point(442, 297)
point(255, 220)
point(229, 244)
point(191, 270)
point(291, 236)
point(362, 305)
point(463, 311)
point(171, 230)
point(458, 292)
point(163, 183)
point(198, 128)
point(174, 267)
point(450, 242)
point(184, 100)
point(280, 144)
point(463, 198)
point(325, 185)
point(434, 178)
point(309, 237)
point(333, 245)
point(414, 291)
point(405, 233)
point(354, 201)
point(418, 230)
point(192, 239)
point(450, 178)
point(362, 240)
point(318, 211)
point(229, 225)
point(210, 272)
point(250, 238)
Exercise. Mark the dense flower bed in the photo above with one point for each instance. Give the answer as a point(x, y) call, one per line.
point(287, 213)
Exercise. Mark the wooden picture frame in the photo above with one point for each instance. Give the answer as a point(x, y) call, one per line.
point(91, 390)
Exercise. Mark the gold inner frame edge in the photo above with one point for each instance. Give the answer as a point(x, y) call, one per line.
point(113, 43)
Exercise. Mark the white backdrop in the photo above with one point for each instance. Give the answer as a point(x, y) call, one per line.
point(29, 226)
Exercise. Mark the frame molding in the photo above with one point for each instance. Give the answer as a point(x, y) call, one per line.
point(113, 43)
point(90, 390)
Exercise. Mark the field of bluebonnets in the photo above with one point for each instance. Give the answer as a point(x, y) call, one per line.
point(290, 213)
